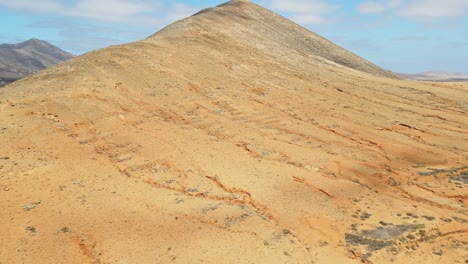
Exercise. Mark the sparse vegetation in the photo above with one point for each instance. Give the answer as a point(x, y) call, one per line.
point(371, 244)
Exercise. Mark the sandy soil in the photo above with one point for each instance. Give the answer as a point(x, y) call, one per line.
point(203, 147)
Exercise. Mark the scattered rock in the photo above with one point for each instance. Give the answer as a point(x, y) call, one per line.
point(411, 215)
point(365, 216)
point(31, 206)
point(393, 182)
point(32, 230)
point(65, 229)
point(366, 256)
point(429, 218)
point(78, 183)
point(384, 224)
point(422, 233)
point(394, 250)
point(460, 220)
point(438, 253)
point(323, 243)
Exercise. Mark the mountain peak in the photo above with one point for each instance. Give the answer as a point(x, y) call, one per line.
point(22, 59)
point(34, 40)
point(249, 25)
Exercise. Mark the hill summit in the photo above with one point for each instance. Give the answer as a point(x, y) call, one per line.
point(246, 24)
point(20, 60)
point(232, 136)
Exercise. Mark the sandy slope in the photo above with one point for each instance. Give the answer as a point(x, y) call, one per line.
point(193, 148)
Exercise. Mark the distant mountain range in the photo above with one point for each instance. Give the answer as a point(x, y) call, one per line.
point(437, 76)
point(20, 60)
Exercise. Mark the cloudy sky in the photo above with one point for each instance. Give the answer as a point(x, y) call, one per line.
point(407, 36)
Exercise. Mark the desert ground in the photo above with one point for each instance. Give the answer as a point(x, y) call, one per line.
point(212, 143)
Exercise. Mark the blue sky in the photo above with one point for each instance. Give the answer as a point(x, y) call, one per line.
point(406, 36)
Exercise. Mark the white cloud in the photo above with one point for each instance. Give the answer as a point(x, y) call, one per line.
point(90, 24)
point(302, 6)
point(131, 12)
point(179, 11)
point(304, 11)
point(112, 7)
point(416, 9)
point(435, 9)
point(394, 3)
point(41, 6)
point(412, 39)
point(307, 19)
point(370, 7)
point(376, 7)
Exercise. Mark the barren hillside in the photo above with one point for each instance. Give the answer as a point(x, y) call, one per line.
point(217, 140)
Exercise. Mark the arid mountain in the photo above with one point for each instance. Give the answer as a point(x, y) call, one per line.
point(437, 76)
point(20, 60)
point(218, 140)
point(247, 25)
